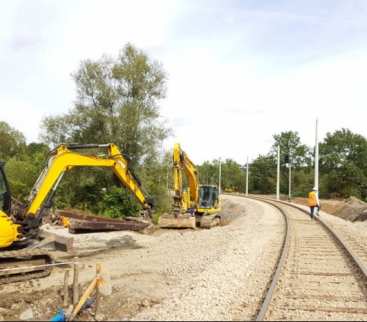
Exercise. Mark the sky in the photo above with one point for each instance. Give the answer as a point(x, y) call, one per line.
point(238, 71)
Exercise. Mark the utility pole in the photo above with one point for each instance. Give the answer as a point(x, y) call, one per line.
point(220, 177)
point(247, 177)
point(278, 173)
point(316, 157)
point(290, 180)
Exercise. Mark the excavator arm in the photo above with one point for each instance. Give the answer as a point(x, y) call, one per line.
point(65, 158)
point(181, 162)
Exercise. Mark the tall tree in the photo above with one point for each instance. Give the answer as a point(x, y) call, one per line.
point(343, 156)
point(291, 148)
point(118, 102)
point(294, 152)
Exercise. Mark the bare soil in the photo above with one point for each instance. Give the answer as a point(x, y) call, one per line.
point(351, 209)
point(330, 206)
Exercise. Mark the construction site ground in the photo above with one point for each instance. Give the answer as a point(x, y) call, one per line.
point(216, 274)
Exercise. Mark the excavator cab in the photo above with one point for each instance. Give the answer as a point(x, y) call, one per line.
point(208, 196)
point(5, 196)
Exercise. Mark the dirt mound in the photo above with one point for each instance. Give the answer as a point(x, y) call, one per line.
point(353, 210)
point(331, 206)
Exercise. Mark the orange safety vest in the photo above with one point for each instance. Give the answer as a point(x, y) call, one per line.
point(312, 200)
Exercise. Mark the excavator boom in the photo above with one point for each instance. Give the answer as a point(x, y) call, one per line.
point(184, 200)
point(65, 158)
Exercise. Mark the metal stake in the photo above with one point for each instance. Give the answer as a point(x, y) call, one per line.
point(316, 157)
point(247, 177)
point(220, 177)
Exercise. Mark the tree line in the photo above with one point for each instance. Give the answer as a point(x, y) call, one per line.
point(342, 165)
point(117, 102)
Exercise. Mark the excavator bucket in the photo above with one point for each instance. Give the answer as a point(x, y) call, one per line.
point(177, 221)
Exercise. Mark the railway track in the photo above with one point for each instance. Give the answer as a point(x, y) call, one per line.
point(319, 276)
point(355, 242)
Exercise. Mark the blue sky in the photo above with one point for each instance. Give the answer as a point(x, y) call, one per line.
point(239, 71)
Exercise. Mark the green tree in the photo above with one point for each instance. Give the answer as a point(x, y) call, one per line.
point(262, 177)
point(343, 156)
point(23, 169)
point(291, 149)
point(208, 172)
point(233, 176)
point(12, 142)
point(118, 102)
point(294, 152)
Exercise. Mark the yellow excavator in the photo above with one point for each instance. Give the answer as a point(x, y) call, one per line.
point(20, 259)
point(196, 206)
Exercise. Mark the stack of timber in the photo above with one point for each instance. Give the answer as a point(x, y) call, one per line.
point(80, 221)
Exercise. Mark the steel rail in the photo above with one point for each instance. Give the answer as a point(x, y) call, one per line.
point(362, 268)
point(279, 267)
point(281, 262)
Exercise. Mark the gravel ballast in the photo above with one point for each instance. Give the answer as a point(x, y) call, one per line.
point(204, 274)
point(216, 274)
point(233, 266)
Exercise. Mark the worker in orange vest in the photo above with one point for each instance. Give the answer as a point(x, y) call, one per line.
point(313, 201)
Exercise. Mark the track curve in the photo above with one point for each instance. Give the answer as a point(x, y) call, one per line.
point(317, 276)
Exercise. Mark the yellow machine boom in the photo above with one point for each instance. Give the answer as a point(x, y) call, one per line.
point(184, 200)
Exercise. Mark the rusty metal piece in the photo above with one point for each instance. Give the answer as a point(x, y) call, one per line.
point(83, 221)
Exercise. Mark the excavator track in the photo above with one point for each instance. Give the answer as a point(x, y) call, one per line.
point(23, 265)
point(208, 221)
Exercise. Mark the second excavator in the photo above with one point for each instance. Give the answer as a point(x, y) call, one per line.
point(197, 205)
point(21, 258)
